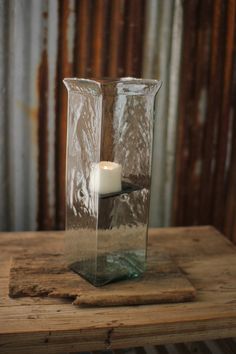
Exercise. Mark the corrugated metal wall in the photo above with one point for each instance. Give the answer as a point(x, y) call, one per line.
point(205, 184)
point(190, 45)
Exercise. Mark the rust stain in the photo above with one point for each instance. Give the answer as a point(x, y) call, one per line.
point(45, 14)
point(224, 124)
point(44, 219)
point(135, 13)
point(31, 112)
point(83, 43)
point(99, 42)
point(204, 188)
point(212, 131)
point(185, 124)
point(116, 38)
point(64, 69)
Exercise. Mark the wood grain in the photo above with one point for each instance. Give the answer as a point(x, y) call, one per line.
point(47, 275)
point(208, 259)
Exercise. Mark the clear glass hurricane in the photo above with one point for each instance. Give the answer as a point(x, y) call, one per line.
point(109, 154)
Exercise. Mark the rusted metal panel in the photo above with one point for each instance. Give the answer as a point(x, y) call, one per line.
point(46, 74)
point(65, 67)
point(230, 176)
point(212, 132)
point(98, 37)
point(163, 54)
point(133, 40)
point(189, 45)
point(164, 19)
point(83, 45)
point(33, 53)
point(219, 188)
point(172, 117)
point(192, 110)
point(22, 175)
point(230, 204)
point(150, 37)
point(28, 63)
point(52, 45)
point(206, 108)
point(116, 29)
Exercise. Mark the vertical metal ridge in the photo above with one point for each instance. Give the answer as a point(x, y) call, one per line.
point(4, 118)
point(230, 204)
point(19, 132)
point(200, 105)
point(150, 38)
point(224, 121)
point(44, 221)
point(195, 116)
point(115, 41)
point(98, 37)
point(121, 40)
point(134, 10)
point(31, 110)
point(46, 116)
point(65, 67)
point(183, 149)
point(161, 60)
point(82, 47)
point(52, 45)
point(172, 116)
point(213, 112)
point(43, 216)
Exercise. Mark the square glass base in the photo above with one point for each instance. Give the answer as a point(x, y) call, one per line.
point(111, 267)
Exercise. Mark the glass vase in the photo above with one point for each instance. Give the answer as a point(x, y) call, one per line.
point(109, 154)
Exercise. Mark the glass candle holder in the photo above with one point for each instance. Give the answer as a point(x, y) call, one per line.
point(109, 154)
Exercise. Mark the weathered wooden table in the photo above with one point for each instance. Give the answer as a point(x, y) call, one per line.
point(34, 325)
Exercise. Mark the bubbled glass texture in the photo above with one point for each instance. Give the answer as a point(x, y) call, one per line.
point(106, 236)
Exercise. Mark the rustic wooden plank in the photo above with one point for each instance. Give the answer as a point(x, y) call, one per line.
point(202, 252)
point(94, 339)
point(14, 243)
point(48, 275)
point(68, 318)
point(5, 300)
point(195, 241)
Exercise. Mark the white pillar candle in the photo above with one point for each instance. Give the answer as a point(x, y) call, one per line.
point(105, 177)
